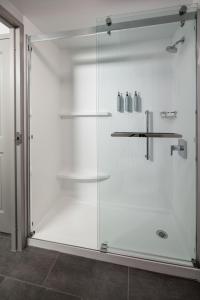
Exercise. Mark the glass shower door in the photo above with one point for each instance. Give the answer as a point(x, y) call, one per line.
point(147, 147)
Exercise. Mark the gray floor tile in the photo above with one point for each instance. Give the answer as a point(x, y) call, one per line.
point(152, 286)
point(15, 290)
point(89, 279)
point(32, 264)
point(5, 244)
point(1, 279)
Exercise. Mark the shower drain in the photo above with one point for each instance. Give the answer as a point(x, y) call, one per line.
point(162, 234)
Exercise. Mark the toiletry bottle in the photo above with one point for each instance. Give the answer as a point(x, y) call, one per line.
point(128, 103)
point(120, 103)
point(137, 102)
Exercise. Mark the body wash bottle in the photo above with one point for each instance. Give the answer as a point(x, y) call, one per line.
point(137, 102)
point(120, 103)
point(128, 103)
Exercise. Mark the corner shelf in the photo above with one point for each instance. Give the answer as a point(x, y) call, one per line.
point(168, 114)
point(82, 177)
point(66, 115)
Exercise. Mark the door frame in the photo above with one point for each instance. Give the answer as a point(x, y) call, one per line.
point(198, 139)
point(18, 205)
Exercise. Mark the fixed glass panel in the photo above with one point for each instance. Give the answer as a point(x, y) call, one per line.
point(63, 115)
point(146, 78)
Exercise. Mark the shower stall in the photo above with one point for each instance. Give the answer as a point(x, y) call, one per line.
point(113, 140)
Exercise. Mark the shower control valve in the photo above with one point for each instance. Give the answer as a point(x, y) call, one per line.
point(181, 148)
point(176, 148)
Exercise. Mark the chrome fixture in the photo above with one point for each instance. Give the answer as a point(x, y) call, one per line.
point(147, 128)
point(168, 114)
point(182, 14)
point(18, 138)
point(147, 112)
point(104, 247)
point(173, 49)
point(162, 234)
point(108, 24)
point(149, 141)
point(181, 148)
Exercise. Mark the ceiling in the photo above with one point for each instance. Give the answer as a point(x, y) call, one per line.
point(57, 15)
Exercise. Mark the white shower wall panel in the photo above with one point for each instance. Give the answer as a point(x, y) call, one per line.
point(78, 89)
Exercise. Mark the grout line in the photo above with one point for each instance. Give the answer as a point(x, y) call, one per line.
point(51, 268)
point(39, 286)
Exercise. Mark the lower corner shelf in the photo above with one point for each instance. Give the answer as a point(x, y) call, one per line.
point(82, 177)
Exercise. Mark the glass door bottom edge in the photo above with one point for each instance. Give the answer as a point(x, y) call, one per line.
point(119, 252)
point(150, 257)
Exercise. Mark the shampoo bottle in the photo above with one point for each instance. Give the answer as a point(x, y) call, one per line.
point(128, 103)
point(120, 103)
point(137, 102)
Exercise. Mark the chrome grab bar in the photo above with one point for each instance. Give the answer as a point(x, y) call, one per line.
point(147, 112)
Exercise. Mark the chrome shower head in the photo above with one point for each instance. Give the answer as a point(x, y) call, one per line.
point(173, 48)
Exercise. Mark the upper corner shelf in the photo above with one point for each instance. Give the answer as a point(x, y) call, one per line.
point(66, 115)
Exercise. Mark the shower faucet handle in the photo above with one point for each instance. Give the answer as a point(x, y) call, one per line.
point(176, 148)
point(181, 148)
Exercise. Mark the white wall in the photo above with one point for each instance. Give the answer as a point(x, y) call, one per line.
point(79, 95)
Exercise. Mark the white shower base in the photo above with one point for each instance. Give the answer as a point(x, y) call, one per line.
point(130, 231)
point(71, 223)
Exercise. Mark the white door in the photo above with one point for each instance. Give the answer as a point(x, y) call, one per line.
point(6, 137)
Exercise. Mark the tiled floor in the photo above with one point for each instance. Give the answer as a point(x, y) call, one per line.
point(38, 274)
